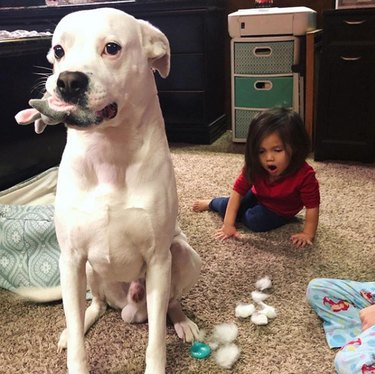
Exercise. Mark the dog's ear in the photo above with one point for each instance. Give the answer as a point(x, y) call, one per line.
point(156, 47)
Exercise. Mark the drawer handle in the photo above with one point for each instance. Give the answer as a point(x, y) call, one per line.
point(262, 51)
point(354, 22)
point(350, 58)
point(263, 85)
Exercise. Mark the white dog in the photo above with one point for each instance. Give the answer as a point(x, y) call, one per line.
point(116, 200)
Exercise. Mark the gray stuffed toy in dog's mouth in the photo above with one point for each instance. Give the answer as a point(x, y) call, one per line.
point(50, 111)
point(41, 114)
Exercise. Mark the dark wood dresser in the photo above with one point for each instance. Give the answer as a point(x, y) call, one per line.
point(192, 97)
point(345, 125)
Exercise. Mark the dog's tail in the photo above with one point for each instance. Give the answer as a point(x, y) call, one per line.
point(39, 295)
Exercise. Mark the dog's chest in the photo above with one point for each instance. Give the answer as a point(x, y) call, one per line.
point(115, 238)
point(114, 208)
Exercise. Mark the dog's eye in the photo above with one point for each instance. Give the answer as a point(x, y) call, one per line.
point(112, 49)
point(59, 51)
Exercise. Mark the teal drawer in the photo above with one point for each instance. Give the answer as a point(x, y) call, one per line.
point(255, 92)
point(263, 57)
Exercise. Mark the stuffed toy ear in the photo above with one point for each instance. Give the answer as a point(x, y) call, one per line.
point(26, 116)
point(156, 46)
point(41, 114)
point(39, 125)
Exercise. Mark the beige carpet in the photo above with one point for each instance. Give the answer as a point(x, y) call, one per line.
point(293, 343)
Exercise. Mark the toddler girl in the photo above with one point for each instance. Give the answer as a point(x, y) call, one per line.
point(275, 182)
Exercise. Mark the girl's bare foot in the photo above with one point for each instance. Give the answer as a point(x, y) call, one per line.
point(201, 205)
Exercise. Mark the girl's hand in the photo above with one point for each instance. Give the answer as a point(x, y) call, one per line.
point(301, 239)
point(367, 316)
point(227, 232)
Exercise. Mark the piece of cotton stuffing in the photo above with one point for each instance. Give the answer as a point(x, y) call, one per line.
point(225, 333)
point(258, 297)
point(227, 355)
point(268, 310)
point(244, 310)
point(259, 319)
point(263, 283)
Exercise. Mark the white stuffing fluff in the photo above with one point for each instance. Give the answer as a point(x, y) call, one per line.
point(268, 310)
point(225, 333)
point(244, 310)
point(258, 297)
point(227, 355)
point(259, 319)
point(263, 283)
point(261, 313)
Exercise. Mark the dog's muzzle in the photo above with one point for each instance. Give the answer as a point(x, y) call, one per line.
point(72, 86)
point(83, 118)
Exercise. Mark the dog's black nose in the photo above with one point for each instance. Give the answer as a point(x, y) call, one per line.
point(72, 85)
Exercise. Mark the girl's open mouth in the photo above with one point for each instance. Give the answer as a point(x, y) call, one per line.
point(272, 168)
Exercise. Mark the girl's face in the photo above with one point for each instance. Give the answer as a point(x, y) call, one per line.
point(273, 155)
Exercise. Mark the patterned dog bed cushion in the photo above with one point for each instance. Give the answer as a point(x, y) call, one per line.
point(29, 252)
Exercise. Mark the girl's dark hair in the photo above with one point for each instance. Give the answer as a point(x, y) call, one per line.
point(291, 130)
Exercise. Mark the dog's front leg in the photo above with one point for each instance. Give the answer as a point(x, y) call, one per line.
point(73, 286)
point(158, 280)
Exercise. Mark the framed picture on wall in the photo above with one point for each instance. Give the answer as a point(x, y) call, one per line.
point(354, 4)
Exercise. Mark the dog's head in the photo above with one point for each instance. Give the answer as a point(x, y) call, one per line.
point(103, 62)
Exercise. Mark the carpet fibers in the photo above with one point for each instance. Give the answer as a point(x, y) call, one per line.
point(292, 343)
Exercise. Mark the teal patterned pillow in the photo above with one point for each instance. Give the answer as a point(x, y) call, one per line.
point(29, 252)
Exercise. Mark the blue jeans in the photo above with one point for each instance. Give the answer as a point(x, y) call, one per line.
point(253, 215)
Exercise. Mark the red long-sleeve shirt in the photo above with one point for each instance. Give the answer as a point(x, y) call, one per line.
point(286, 196)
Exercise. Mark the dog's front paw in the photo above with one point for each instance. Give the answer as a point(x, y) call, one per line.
point(187, 330)
point(62, 344)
